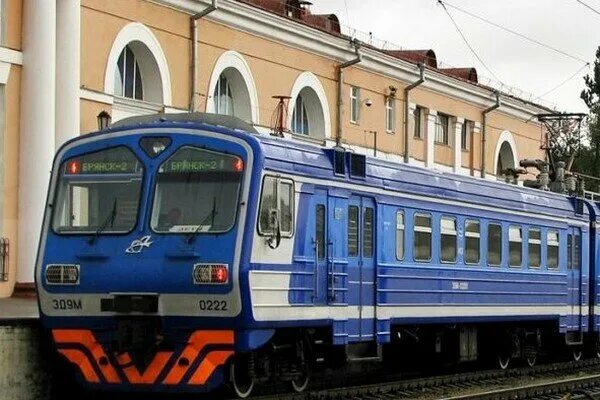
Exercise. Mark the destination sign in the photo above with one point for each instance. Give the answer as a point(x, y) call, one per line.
point(193, 160)
point(113, 161)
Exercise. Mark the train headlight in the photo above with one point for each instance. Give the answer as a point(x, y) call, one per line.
point(62, 274)
point(211, 274)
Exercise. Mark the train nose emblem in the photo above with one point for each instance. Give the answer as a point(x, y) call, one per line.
point(138, 245)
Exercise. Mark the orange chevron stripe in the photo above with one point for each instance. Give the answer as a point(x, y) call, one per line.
point(151, 373)
point(213, 360)
point(197, 342)
point(87, 339)
point(78, 358)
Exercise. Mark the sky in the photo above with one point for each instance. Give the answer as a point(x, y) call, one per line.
point(566, 25)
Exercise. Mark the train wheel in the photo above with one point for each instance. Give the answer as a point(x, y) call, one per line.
point(577, 353)
point(300, 384)
point(531, 359)
point(241, 380)
point(503, 361)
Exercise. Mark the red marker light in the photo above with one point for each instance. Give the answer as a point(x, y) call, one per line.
point(74, 167)
point(219, 274)
point(238, 165)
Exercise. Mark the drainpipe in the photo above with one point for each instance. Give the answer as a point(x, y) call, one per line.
point(194, 67)
point(407, 110)
point(340, 79)
point(484, 132)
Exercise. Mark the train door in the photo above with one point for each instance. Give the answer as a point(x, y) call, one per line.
point(320, 246)
point(361, 265)
point(574, 260)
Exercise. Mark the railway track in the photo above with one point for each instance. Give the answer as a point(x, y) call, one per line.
point(544, 382)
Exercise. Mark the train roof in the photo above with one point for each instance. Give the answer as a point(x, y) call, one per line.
point(313, 160)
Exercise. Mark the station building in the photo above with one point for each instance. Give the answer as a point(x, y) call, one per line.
point(63, 62)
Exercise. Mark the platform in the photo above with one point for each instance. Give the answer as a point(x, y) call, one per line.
point(18, 308)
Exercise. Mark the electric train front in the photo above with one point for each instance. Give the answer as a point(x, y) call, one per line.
point(139, 257)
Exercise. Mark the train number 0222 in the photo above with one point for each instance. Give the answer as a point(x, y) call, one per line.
point(67, 304)
point(213, 305)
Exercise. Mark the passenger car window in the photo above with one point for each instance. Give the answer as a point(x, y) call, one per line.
point(494, 253)
point(422, 237)
point(552, 249)
point(472, 239)
point(448, 240)
point(400, 236)
point(515, 246)
point(535, 248)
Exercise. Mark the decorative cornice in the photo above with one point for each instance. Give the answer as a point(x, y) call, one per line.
point(274, 27)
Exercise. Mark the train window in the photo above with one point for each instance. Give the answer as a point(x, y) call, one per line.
point(400, 236)
point(422, 239)
point(494, 253)
point(448, 242)
point(320, 231)
point(98, 192)
point(368, 232)
point(535, 248)
point(277, 195)
point(472, 239)
point(552, 249)
point(577, 252)
point(515, 246)
point(570, 252)
point(353, 231)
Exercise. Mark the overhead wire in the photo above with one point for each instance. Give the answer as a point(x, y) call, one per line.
point(509, 30)
point(467, 42)
point(592, 9)
point(564, 82)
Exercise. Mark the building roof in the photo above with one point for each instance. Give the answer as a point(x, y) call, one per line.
point(468, 74)
point(426, 57)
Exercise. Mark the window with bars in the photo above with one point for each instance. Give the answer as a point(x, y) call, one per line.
point(353, 231)
point(128, 79)
point(442, 127)
point(320, 231)
point(368, 232)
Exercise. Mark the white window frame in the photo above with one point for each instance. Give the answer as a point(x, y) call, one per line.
point(476, 235)
point(390, 114)
point(354, 104)
point(449, 232)
point(136, 79)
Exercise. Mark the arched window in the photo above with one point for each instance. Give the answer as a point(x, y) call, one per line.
point(223, 97)
point(506, 159)
point(300, 123)
point(128, 79)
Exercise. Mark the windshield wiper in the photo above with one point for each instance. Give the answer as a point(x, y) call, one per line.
point(192, 236)
point(110, 220)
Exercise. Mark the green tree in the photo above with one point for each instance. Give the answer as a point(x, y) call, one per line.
point(588, 161)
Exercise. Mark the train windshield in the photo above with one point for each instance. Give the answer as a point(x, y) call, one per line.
point(98, 193)
point(197, 191)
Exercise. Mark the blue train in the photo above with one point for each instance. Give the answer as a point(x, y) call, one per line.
point(188, 252)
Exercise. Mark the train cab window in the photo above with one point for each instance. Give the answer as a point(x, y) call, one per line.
point(515, 246)
point(320, 232)
point(353, 231)
point(277, 196)
point(422, 238)
point(197, 191)
point(494, 245)
point(368, 232)
point(98, 192)
point(570, 252)
point(472, 239)
point(535, 248)
point(448, 242)
point(552, 249)
point(400, 236)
